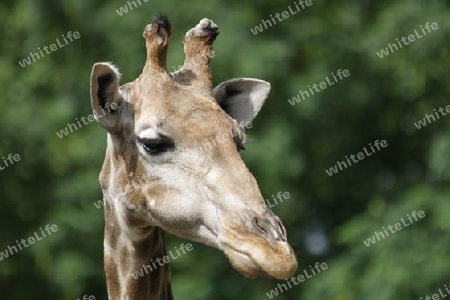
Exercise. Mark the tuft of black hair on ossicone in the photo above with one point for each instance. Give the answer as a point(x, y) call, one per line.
point(162, 21)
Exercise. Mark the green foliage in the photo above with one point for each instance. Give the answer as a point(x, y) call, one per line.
point(56, 180)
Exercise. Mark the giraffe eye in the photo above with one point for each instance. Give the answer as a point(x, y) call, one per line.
point(156, 146)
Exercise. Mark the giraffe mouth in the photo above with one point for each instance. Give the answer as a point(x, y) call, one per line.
point(246, 265)
point(263, 262)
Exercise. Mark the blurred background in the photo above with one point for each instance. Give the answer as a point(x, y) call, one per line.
point(327, 218)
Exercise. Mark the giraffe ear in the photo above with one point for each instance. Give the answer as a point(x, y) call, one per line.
point(105, 95)
point(242, 98)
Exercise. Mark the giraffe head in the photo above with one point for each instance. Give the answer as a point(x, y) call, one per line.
point(173, 154)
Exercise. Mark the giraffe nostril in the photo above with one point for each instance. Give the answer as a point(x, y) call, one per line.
point(267, 228)
point(282, 232)
point(259, 226)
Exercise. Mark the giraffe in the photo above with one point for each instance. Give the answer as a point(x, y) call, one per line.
point(154, 179)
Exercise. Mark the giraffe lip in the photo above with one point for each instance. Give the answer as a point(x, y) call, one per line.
point(259, 261)
point(241, 260)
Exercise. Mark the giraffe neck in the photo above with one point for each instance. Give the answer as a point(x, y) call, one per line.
point(132, 271)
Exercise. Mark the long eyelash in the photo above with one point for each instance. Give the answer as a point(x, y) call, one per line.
point(241, 141)
point(247, 140)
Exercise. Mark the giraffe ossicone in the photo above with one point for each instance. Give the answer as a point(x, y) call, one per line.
point(153, 142)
